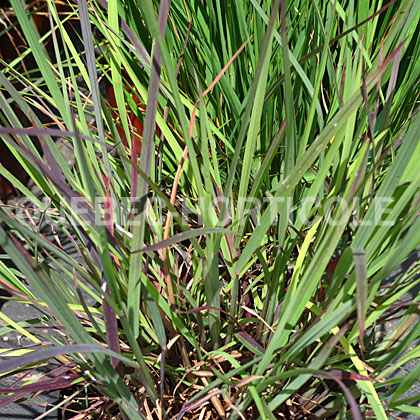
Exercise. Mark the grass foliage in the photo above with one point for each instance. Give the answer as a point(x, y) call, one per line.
point(235, 266)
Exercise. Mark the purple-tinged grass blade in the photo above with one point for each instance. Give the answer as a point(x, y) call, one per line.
point(349, 396)
point(187, 37)
point(179, 237)
point(14, 363)
point(52, 132)
point(197, 404)
point(390, 92)
point(93, 76)
point(130, 35)
point(4, 402)
point(111, 326)
point(359, 257)
point(402, 304)
point(344, 376)
point(147, 154)
point(255, 347)
point(41, 386)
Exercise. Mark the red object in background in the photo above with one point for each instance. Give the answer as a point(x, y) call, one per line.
point(134, 122)
point(330, 270)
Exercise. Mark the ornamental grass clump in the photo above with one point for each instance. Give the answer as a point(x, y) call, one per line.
point(242, 184)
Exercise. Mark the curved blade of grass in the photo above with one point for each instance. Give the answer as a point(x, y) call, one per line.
point(179, 237)
point(146, 163)
point(92, 71)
